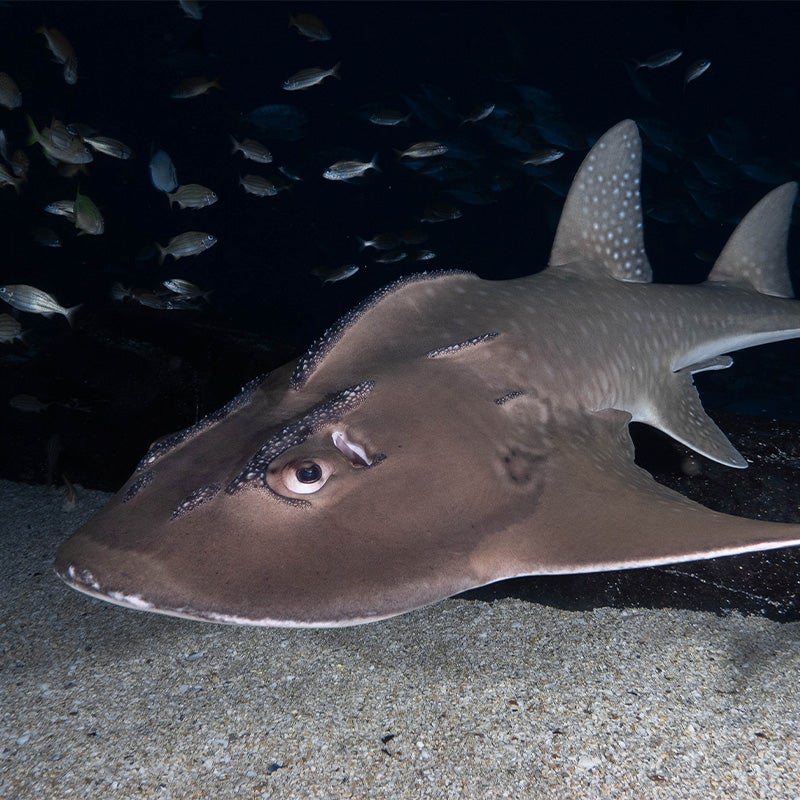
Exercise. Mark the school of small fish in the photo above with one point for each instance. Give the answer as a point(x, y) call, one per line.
point(445, 150)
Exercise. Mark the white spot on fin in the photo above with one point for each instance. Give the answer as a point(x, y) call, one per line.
point(602, 218)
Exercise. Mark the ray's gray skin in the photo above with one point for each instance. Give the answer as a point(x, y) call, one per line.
point(451, 432)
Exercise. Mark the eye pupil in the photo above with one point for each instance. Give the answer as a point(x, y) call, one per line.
point(309, 473)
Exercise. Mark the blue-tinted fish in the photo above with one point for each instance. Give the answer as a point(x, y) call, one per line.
point(162, 172)
point(695, 70)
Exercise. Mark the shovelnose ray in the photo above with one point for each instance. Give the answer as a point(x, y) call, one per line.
point(450, 432)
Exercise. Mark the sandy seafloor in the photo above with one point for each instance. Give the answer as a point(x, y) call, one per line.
point(464, 699)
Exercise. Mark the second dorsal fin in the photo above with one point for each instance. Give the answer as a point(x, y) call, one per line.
point(755, 255)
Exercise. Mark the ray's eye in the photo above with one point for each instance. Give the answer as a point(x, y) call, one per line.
point(308, 473)
point(306, 477)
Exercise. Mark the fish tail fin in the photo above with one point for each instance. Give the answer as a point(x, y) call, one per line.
point(374, 163)
point(335, 71)
point(235, 147)
point(170, 197)
point(215, 84)
point(362, 243)
point(34, 133)
point(70, 312)
point(161, 253)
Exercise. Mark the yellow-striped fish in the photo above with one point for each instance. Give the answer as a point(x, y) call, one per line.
point(29, 298)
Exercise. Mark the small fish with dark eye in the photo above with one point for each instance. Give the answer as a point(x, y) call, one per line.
point(424, 150)
point(10, 329)
point(661, 59)
point(28, 298)
point(310, 26)
point(186, 288)
point(423, 255)
point(252, 150)
point(192, 195)
point(194, 87)
point(695, 70)
point(260, 186)
point(62, 208)
point(190, 243)
point(88, 218)
point(307, 78)
point(546, 155)
point(109, 147)
point(347, 170)
point(10, 95)
point(334, 274)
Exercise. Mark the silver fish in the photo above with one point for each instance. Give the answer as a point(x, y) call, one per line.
point(424, 150)
point(334, 274)
point(695, 70)
point(62, 208)
point(186, 288)
point(109, 147)
point(388, 118)
point(192, 195)
point(251, 149)
point(545, 156)
point(659, 59)
point(347, 170)
point(59, 143)
point(260, 186)
point(87, 216)
point(29, 298)
point(186, 244)
point(307, 78)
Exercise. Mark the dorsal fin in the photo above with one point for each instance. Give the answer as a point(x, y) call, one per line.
point(755, 255)
point(602, 216)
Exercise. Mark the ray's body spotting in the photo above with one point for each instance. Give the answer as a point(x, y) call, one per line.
point(450, 432)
